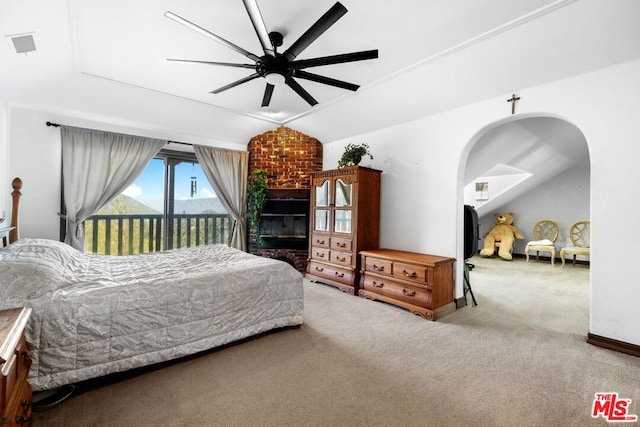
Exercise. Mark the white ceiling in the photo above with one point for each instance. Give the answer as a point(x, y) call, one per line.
point(106, 60)
point(530, 150)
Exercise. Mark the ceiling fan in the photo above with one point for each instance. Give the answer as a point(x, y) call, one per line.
point(276, 67)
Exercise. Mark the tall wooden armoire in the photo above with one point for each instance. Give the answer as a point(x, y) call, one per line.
point(344, 220)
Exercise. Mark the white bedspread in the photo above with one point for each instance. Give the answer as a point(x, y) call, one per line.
point(94, 315)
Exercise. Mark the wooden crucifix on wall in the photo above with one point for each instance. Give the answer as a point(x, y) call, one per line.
point(513, 100)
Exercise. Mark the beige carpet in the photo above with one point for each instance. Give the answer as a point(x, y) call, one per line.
point(519, 358)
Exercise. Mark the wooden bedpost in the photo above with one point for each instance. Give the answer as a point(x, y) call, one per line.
point(15, 194)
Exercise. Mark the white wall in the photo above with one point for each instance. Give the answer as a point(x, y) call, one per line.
point(35, 156)
point(564, 199)
point(423, 179)
point(5, 210)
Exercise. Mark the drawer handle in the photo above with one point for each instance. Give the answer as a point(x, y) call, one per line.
point(320, 242)
point(408, 293)
point(320, 269)
point(412, 275)
point(22, 419)
point(343, 259)
point(340, 275)
point(341, 245)
point(376, 284)
point(376, 268)
point(25, 418)
point(320, 254)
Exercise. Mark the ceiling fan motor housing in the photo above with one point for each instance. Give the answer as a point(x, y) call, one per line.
point(274, 64)
point(278, 68)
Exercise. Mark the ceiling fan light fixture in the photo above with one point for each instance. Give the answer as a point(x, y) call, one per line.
point(275, 79)
point(282, 68)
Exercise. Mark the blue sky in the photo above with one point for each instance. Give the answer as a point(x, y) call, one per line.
point(150, 184)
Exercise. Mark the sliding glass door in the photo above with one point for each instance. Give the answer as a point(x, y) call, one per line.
point(170, 205)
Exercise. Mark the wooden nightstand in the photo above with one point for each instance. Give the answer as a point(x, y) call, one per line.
point(4, 235)
point(15, 392)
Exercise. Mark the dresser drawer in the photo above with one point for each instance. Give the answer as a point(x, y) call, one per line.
point(341, 258)
point(320, 241)
point(421, 283)
point(24, 361)
point(374, 284)
point(331, 272)
point(388, 287)
point(341, 244)
point(15, 393)
point(322, 254)
point(377, 265)
point(15, 369)
point(410, 272)
point(20, 412)
point(9, 377)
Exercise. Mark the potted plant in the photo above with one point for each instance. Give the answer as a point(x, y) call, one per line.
point(353, 154)
point(256, 195)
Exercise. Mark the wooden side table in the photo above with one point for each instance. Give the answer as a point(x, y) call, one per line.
point(15, 393)
point(4, 234)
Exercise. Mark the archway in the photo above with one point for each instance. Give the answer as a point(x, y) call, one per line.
point(546, 158)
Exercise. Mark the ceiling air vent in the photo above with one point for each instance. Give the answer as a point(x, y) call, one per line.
point(22, 43)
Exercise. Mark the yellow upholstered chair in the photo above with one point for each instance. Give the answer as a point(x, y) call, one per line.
point(545, 233)
point(580, 235)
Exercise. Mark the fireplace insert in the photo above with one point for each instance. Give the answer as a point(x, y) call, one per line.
point(284, 221)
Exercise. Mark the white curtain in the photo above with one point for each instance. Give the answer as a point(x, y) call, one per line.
point(96, 167)
point(227, 172)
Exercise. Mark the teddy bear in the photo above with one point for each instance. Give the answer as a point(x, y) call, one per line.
point(504, 232)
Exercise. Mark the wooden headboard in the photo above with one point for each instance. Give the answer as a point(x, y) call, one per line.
point(15, 194)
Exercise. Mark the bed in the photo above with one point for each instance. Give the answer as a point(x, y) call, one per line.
point(94, 315)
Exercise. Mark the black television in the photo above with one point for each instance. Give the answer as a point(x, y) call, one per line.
point(470, 231)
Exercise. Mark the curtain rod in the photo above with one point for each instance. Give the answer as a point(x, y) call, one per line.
point(55, 125)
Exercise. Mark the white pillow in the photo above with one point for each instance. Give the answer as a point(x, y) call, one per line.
point(31, 268)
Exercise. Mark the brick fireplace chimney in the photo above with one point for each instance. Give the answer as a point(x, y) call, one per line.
point(289, 157)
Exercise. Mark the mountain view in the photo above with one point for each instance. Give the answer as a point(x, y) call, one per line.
point(125, 205)
point(141, 235)
point(202, 218)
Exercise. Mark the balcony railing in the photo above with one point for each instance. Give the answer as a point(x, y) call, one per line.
point(134, 234)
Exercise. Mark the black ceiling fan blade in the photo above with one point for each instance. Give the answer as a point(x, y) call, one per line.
point(336, 59)
point(258, 24)
point(225, 64)
point(300, 91)
point(209, 34)
point(268, 91)
point(321, 25)
point(327, 80)
point(236, 83)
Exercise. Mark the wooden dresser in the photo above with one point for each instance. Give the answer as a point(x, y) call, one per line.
point(345, 217)
point(15, 392)
point(423, 284)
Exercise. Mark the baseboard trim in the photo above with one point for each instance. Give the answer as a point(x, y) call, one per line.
point(611, 344)
point(547, 258)
point(461, 302)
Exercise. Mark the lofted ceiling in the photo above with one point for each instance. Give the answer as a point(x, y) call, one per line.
point(107, 60)
point(520, 155)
